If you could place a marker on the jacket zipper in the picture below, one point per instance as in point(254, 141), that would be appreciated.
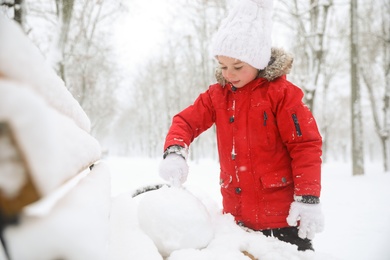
point(265, 117)
point(296, 123)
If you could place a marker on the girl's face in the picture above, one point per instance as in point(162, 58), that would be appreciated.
point(237, 72)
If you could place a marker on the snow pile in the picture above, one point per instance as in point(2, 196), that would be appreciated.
point(48, 125)
point(54, 148)
point(175, 219)
point(46, 146)
point(127, 240)
point(365, 237)
point(176, 224)
point(76, 228)
point(21, 61)
point(231, 242)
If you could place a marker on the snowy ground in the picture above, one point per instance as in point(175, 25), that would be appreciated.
point(357, 214)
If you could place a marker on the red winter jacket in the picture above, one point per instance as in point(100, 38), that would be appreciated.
point(268, 143)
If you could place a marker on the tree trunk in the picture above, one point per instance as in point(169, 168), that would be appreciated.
point(64, 12)
point(19, 12)
point(356, 113)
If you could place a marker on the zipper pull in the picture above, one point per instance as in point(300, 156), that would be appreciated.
point(296, 123)
point(265, 117)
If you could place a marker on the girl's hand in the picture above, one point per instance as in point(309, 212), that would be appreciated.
point(310, 217)
point(174, 169)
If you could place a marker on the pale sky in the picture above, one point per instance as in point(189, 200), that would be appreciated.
point(141, 32)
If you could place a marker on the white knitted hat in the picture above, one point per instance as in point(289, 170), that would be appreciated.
point(245, 34)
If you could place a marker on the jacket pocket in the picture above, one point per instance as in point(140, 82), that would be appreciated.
point(231, 199)
point(303, 124)
point(225, 180)
point(278, 192)
point(276, 180)
point(296, 124)
point(263, 128)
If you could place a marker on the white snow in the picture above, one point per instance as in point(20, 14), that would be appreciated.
point(356, 215)
point(47, 141)
point(41, 113)
point(174, 219)
point(76, 228)
point(36, 124)
point(127, 240)
point(18, 52)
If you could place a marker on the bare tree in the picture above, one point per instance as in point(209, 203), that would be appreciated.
point(310, 21)
point(374, 67)
point(75, 37)
point(64, 9)
point(356, 115)
point(171, 81)
point(91, 72)
point(317, 44)
point(18, 8)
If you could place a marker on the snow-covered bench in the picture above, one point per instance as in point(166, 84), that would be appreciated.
point(53, 203)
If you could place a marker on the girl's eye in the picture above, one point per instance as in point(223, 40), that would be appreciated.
point(236, 68)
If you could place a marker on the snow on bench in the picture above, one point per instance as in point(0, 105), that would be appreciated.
point(53, 203)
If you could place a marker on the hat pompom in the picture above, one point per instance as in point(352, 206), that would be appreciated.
point(245, 34)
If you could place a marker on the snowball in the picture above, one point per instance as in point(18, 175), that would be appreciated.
point(175, 219)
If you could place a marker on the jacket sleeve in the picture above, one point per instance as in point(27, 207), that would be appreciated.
point(191, 122)
point(300, 133)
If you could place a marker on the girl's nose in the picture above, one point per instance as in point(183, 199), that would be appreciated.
point(229, 73)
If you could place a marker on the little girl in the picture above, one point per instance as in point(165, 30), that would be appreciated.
point(268, 142)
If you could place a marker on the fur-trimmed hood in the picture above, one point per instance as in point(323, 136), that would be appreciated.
point(280, 64)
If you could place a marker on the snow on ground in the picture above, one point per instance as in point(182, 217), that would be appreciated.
point(356, 213)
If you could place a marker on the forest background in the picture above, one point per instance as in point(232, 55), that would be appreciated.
point(133, 64)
